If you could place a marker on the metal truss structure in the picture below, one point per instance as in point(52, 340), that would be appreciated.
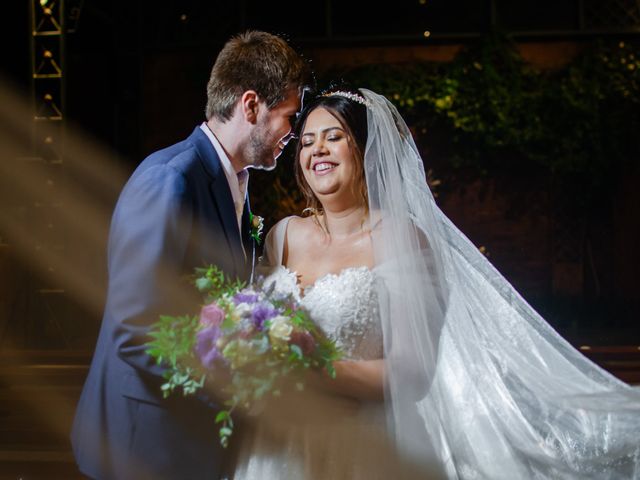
point(41, 310)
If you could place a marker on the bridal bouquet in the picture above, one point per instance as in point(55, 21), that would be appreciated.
point(257, 336)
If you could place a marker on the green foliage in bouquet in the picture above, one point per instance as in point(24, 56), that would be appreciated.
point(173, 343)
point(255, 336)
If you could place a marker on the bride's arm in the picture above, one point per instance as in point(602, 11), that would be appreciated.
point(359, 379)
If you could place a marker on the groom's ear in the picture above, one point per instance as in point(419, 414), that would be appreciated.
point(249, 103)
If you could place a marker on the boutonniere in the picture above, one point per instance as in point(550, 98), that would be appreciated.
point(257, 224)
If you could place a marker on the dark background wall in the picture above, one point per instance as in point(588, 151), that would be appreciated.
point(135, 76)
point(132, 66)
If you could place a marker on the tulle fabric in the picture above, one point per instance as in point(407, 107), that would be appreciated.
point(479, 386)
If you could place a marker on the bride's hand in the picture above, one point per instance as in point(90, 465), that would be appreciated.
point(359, 379)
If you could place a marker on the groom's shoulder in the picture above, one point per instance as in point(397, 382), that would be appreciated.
point(177, 155)
point(180, 157)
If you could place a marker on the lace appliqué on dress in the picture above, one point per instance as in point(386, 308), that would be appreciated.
point(344, 305)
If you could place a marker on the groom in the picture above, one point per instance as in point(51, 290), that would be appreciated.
point(184, 206)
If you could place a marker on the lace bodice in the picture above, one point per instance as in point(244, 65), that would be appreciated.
point(344, 305)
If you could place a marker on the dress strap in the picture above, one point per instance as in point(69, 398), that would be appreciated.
point(274, 244)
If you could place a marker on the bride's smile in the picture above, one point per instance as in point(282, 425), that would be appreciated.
point(326, 156)
point(323, 168)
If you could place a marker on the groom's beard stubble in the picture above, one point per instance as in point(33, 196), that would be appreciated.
point(263, 153)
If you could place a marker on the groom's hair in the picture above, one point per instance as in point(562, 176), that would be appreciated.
point(253, 60)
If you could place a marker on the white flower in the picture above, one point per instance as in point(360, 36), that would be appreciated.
point(239, 352)
point(283, 281)
point(240, 311)
point(280, 330)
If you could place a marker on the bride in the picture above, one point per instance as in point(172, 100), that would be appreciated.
point(448, 372)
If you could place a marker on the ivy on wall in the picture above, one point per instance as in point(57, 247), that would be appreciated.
point(488, 111)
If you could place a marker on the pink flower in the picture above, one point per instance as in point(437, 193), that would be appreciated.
point(211, 315)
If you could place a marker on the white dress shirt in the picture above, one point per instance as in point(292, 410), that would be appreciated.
point(237, 181)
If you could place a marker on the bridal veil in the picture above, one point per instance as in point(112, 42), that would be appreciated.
point(477, 381)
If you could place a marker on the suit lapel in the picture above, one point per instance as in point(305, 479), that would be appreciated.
point(222, 196)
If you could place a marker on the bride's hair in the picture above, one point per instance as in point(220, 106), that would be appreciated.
point(352, 116)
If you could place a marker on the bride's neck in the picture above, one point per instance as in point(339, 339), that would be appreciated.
point(342, 222)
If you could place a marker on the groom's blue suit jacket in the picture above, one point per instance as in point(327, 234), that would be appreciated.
point(175, 213)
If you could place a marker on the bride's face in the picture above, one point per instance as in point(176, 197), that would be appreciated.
point(326, 156)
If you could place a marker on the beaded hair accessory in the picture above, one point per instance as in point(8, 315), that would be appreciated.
point(354, 97)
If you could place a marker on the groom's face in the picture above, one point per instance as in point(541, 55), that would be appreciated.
point(272, 132)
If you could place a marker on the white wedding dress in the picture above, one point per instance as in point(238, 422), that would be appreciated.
point(344, 305)
point(477, 385)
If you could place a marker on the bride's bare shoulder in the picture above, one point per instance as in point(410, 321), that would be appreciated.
point(300, 228)
point(296, 237)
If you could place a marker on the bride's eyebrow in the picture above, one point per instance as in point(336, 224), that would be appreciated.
point(324, 130)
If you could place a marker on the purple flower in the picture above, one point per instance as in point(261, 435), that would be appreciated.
point(206, 348)
point(262, 312)
point(304, 340)
point(211, 315)
point(246, 297)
